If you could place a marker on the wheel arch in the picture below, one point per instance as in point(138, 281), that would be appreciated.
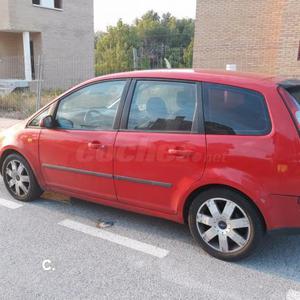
point(6, 153)
point(10, 151)
point(201, 189)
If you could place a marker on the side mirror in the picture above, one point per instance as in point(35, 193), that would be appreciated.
point(47, 122)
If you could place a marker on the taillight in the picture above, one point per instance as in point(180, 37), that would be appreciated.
point(292, 105)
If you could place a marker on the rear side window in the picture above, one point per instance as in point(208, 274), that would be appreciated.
point(162, 106)
point(234, 111)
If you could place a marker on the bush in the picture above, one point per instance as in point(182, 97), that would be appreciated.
point(22, 104)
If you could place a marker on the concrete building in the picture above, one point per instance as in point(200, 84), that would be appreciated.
point(256, 36)
point(54, 38)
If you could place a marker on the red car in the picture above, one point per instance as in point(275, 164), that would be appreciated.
point(217, 150)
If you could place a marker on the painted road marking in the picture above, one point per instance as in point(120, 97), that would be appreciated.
point(115, 238)
point(9, 204)
point(293, 295)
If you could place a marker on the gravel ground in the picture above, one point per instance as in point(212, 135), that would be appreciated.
point(5, 123)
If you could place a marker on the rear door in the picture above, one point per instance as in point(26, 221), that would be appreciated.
point(160, 150)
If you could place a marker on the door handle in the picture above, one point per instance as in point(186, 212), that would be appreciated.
point(180, 152)
point(96, 145)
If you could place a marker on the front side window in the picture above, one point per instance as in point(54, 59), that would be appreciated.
point(92, 108)
point(162, 106)
point(234, 111)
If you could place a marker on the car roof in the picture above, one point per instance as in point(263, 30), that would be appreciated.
point(216, 76)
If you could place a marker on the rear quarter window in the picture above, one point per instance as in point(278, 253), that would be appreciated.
point(295, 93)
point(291, 97)
point(234, 111)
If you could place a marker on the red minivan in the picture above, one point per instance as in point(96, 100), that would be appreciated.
point(217, 150)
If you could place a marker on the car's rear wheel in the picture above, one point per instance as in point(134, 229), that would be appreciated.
point(19, 178)
point(225, 224)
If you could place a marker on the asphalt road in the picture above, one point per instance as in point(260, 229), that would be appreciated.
point(43, 258)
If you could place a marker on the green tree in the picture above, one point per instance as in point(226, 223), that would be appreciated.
point(188, 55)
point(114, 49)
point(155, 38)
point(97, 37)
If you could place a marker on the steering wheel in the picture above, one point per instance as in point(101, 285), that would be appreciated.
point(91, 116)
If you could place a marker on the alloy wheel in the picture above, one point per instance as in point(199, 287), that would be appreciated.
point(17, 178)
point(223, 225)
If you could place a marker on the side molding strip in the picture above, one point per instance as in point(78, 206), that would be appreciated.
point(109, 176)
point(144, 181)
point(79, 171)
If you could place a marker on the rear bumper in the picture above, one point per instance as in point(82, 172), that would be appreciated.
point(283, 213)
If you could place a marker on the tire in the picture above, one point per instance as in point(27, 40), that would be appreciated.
point(19, 179)
point(225, 224)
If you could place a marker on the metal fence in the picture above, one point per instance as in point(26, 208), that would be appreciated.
point(19, 98)
point(51, 76)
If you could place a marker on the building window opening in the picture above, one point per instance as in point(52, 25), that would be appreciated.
point(48, 3)
point(58, 4)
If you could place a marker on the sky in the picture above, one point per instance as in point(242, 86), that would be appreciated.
point(108, 12)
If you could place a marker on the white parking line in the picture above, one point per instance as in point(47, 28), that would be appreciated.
point(115, 238)
point(293, 295)
point(9, 204)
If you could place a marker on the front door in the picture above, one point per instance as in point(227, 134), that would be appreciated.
point(160, 150)
point(77, 155)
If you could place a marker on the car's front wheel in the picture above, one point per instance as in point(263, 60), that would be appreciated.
point(225, 224)
point(19, 178)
